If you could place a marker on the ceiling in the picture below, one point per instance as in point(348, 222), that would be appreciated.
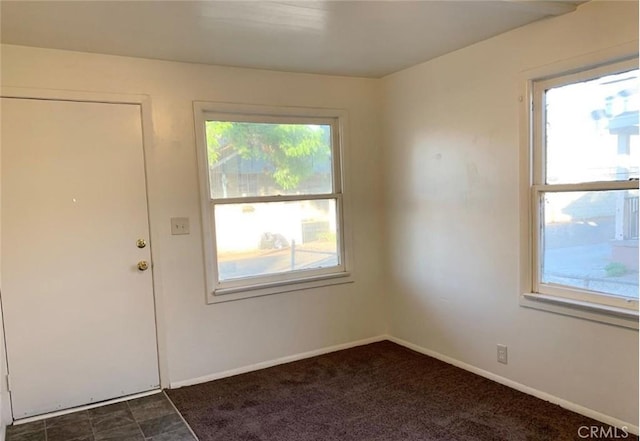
point(353, 38)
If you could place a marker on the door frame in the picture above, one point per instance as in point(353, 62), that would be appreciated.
point(144, 101)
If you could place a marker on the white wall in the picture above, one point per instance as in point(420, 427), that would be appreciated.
point(206, 339)
point(453, 159)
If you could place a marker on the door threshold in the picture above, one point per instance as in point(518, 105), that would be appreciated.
point(85, 407)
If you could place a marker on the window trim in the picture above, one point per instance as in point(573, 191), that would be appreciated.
point(236, 289)
point(621, 312)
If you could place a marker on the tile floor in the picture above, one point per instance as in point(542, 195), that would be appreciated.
point(151, 418)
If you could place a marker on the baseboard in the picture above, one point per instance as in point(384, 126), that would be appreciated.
point(519, 386)
point(275, 362)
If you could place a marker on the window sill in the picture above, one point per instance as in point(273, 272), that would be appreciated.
point(625, 318)
point(222, 295)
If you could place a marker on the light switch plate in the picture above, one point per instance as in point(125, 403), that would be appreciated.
point(179, 225)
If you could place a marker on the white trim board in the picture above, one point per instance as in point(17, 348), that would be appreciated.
point(277, 361)
point(574, 407)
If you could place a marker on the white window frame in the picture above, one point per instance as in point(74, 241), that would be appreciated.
point(551, 297)
point(235, 289)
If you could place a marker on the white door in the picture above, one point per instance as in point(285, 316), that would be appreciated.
point(79, 314)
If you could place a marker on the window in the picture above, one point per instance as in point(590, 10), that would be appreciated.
point(585, 158)
point(273, 210)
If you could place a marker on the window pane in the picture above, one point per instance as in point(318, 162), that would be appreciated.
point(260, 159)
point(592, 130)
point(275, 237)
point(590, 241)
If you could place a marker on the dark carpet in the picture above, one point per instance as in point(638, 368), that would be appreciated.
point(377, 392)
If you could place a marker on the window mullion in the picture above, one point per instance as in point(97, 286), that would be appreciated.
point(277, 198)
point(587, 186)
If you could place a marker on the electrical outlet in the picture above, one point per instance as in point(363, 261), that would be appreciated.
point(502, 354)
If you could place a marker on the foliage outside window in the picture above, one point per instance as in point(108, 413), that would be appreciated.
point(273, 200)
point(586, 155)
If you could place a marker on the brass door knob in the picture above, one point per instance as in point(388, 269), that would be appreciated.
point(141, 243)
point(143, 265)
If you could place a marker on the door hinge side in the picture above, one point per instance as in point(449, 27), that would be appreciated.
point(8, 383)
